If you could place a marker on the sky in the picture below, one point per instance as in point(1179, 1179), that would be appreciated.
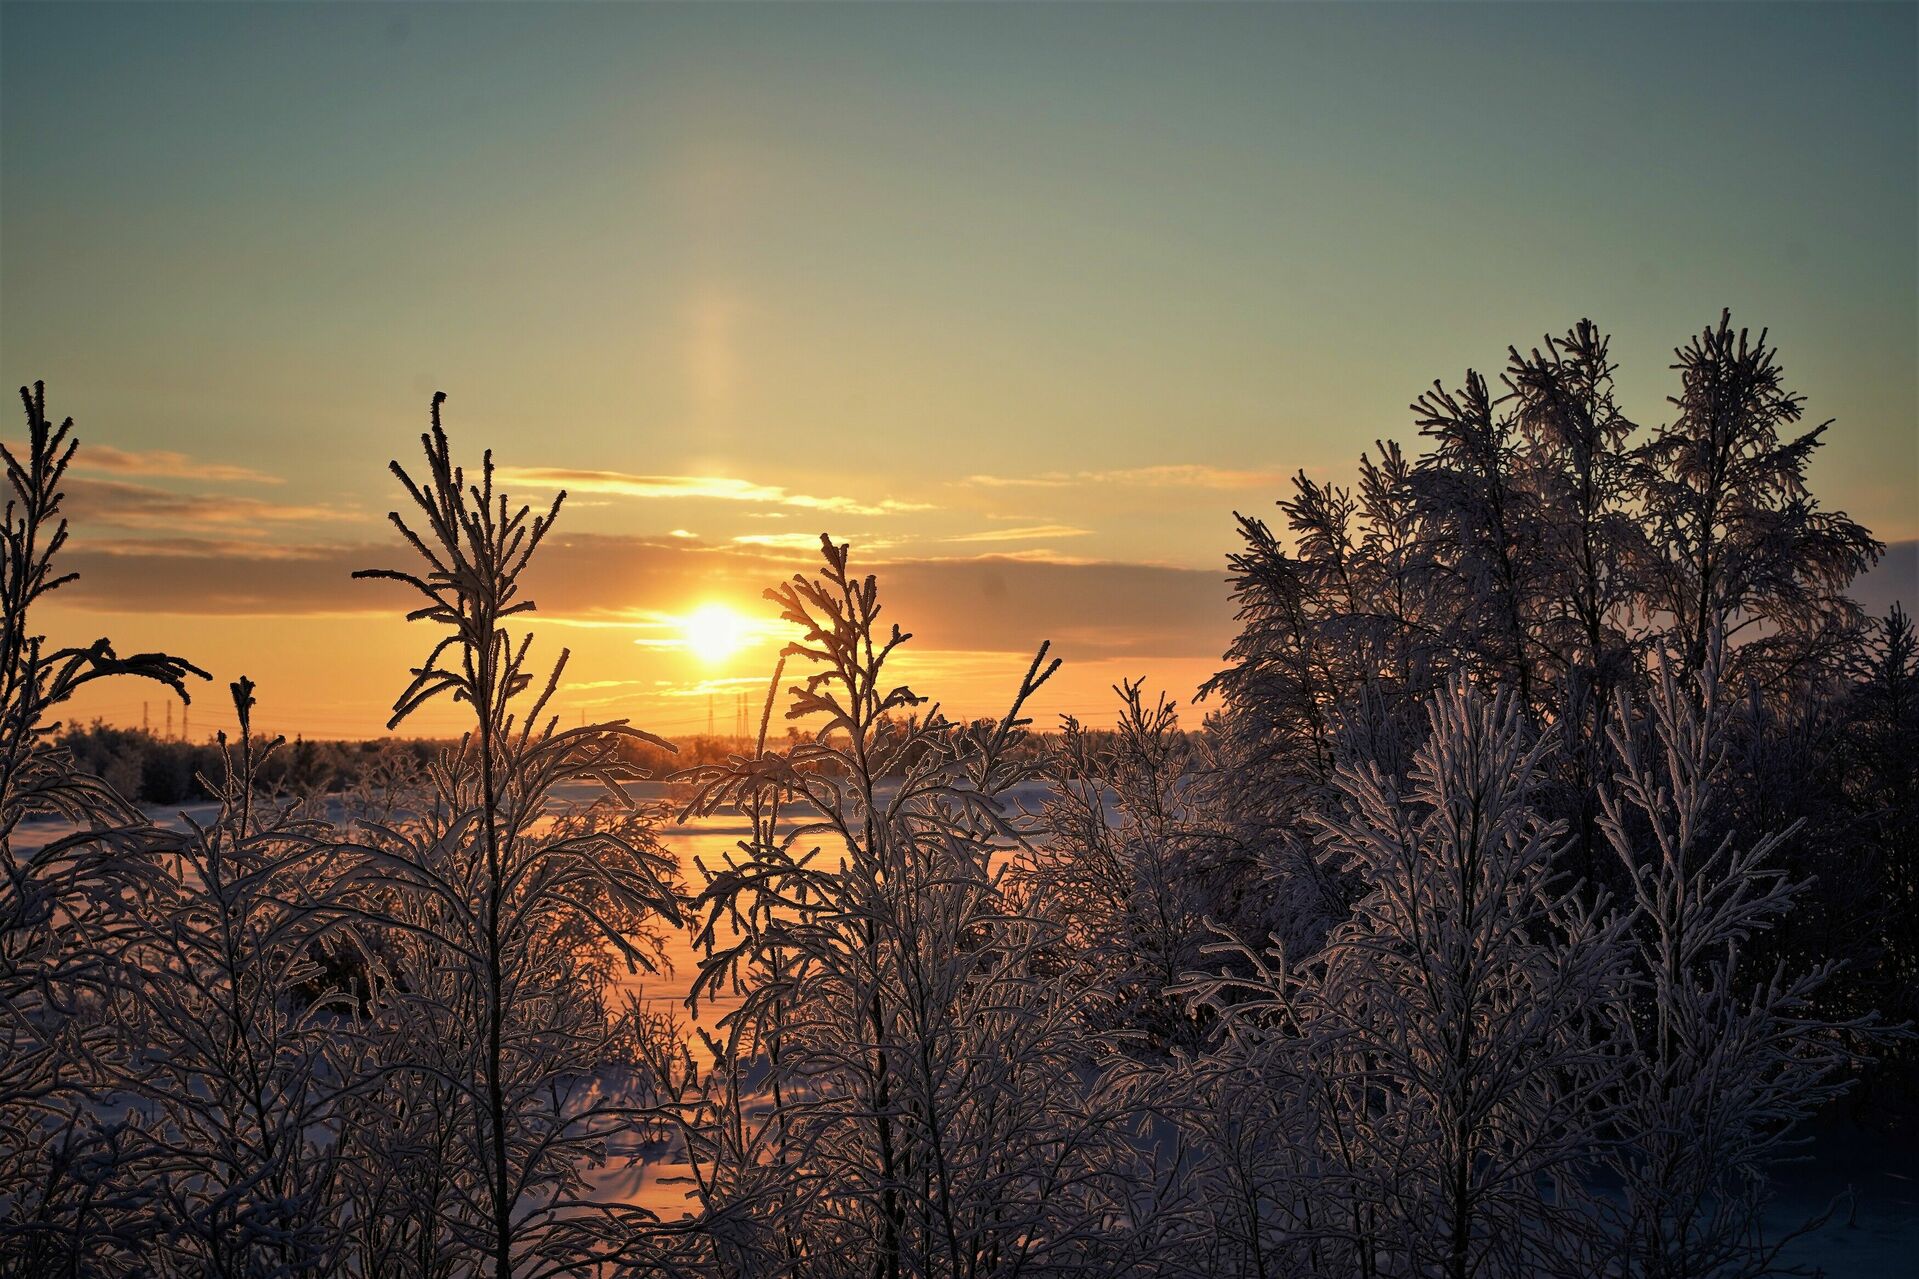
point(1024, 302)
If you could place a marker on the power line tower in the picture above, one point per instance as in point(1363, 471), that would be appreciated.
point(709, 714)
point(143, 717)
point(169, 721)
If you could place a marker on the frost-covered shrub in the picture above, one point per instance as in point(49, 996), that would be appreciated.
point(1719, 1056)
point(238, 1065)
point(503, 926)
point(64, 899)
point(1133, 864)
point(914, 1074)
point(1520, 996)
point(1434, 1062)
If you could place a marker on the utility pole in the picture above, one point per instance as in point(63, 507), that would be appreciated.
point(143, 717)
point(709, 714)
point(186, 731)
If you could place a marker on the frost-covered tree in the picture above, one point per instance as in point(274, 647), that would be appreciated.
point(1580, 470)
point(1719, 1056)
point(1341, 637)
point(1737, 541)
point(238, 1052)
point(1357, 608)
point(1133, 864)
point(923, 1072)
point(1482, 524)
point(505, 927)
point(1441, 1036)
point(1544, 543)
point(63, 899)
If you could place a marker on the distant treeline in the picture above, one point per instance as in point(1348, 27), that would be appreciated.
point(150, 769)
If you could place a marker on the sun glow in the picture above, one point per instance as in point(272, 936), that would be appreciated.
point(714, 632)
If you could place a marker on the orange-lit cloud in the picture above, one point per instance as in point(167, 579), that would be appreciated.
point(1004, 601)
point(1029, 533)
point(1024, 555)
point(1171, 476)
point(122, 504)
point(202, 547)
point(720, 488)
point(157, 463)
point(809, 543)
point(165, 464)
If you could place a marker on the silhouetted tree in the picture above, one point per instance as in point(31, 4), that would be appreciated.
point(925, 1073)
point(1581, 472)
point(62, 899)
point(1737, 541)
point(503, 914)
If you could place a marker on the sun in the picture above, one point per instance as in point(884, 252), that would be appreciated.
point(714, 632)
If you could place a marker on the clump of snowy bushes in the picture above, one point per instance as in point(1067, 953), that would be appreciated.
point(1485, 926)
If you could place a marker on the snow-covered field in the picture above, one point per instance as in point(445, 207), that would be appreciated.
point(1873, 1231)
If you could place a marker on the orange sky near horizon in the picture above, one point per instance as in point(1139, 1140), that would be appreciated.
point(667, 632)
point(333, 675)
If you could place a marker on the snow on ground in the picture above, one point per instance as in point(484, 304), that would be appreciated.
point(1873, 1232)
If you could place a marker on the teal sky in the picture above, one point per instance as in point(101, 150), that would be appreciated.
point(1163, 255)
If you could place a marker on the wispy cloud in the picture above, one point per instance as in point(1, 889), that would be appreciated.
point(164, 464)
point(1025, 555)
point(720, 488)
point(1028, 533)
point(606, 619)
point(156, 463)
point(208, 547)
point(1169, 476)
point(810, 542)
point(121, 504)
